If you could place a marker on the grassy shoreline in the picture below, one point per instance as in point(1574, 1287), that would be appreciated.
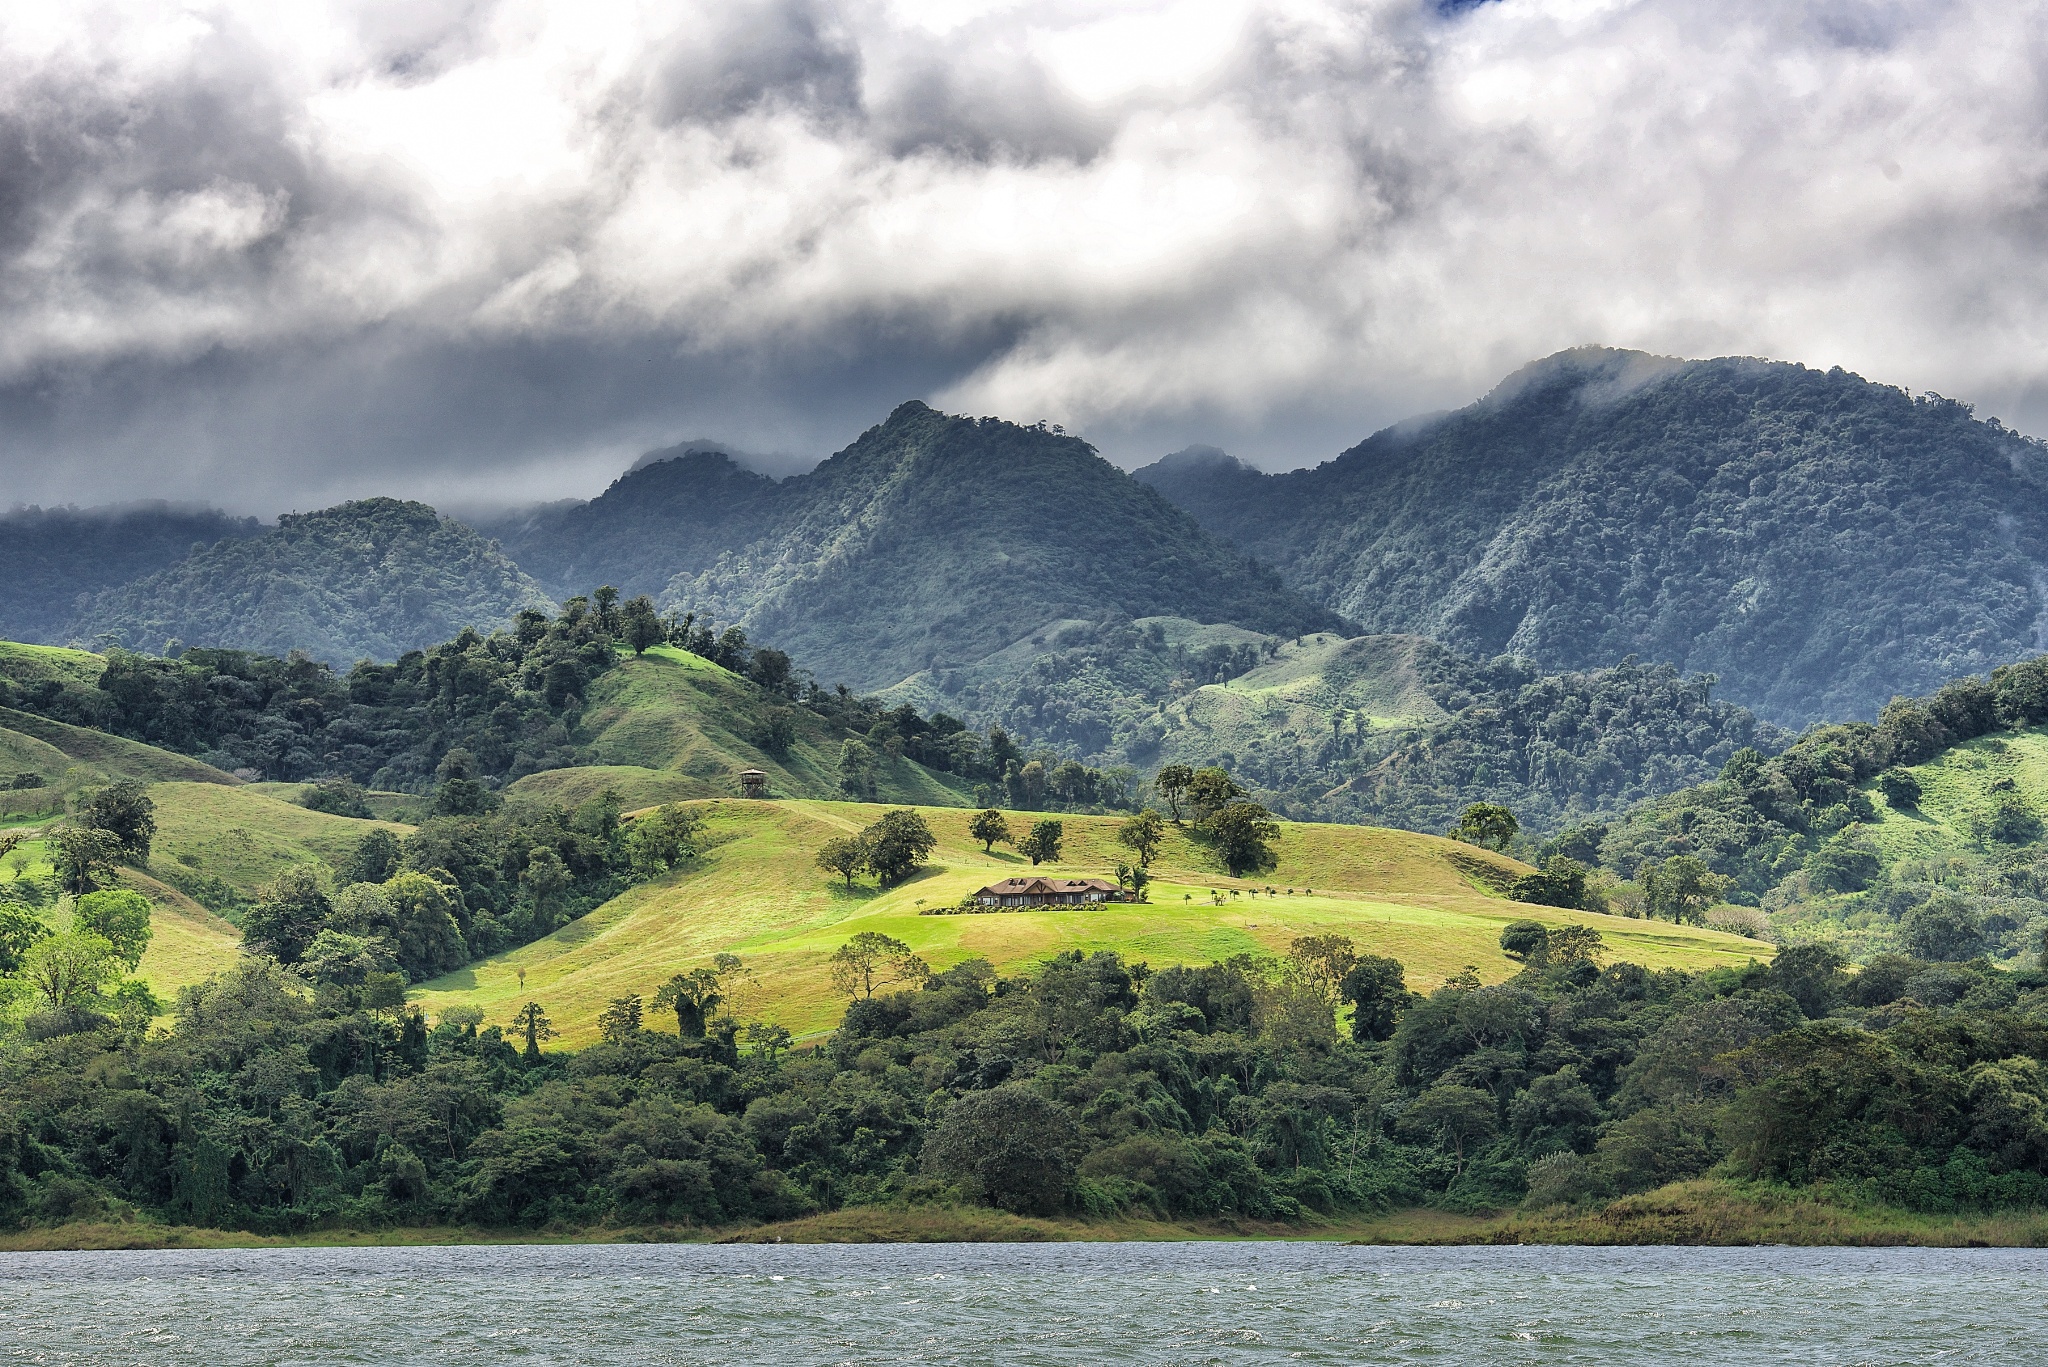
point(1689, 1214)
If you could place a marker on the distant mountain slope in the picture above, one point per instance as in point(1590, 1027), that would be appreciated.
point(1391, 730)
point(675, 512)
point(1820, 542)
point(374, 578)
point(932, 539)
point(49, 556)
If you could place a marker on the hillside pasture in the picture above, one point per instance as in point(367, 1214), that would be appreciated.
point(756, 892)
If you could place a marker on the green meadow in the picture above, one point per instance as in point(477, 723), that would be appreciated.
point(756, 892)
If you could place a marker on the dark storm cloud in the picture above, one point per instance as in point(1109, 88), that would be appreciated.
point(486, 250)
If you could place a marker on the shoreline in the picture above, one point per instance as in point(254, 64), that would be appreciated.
point(1691, 1214)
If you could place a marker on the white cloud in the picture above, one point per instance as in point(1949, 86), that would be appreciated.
point(1131, 216)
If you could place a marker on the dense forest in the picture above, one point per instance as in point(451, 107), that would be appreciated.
point(365, 580)
point(49, 557)
point(1819, 542)
point(1556, 747)
point(1258, 1087)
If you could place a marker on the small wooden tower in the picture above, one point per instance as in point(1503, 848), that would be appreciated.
point(753, 783)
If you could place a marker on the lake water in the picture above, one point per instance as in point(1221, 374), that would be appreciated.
point(1024, 1304)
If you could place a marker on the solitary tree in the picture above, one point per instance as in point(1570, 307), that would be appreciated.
point(1526, 942)
point(1683, 888)
point(68, 971)
point(871, 960)
point(533, 1022)
point(990, 829)
point(641, 625)
point(607, 602)
point(897, 844)
point(1142, 833)
point(691, 996)
point(663, 839)
point(1323, 961)
point(1900, 788)
point(1487, 825)
point(768, 1040)
point(1173, 781)
point(1244, 832)
point(1042, 845)
point(1576, 944)
point(845, 855)
point(1210, 791)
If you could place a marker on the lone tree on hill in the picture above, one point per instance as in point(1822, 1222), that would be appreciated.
point(871, 960)
point(1173, 781)
point(990, 829)
point(1042, 845)
point(845, 855)
point(642, 625)
point(533, 1022)
point(1142, 834)
point(1244, 832)
point(1210, 791)
point(1487, 825)
point(897, 844)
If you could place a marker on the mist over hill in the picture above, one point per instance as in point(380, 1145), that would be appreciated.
point(1820, 542)
point(49, 556)
point(931, 539)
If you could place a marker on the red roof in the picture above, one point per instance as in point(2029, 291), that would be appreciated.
point(1021, 887)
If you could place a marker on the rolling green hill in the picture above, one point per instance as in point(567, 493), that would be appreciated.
point(373, 579)
point(931, 539)
point(1820, 542)
point(757, 893)
point(669, 725)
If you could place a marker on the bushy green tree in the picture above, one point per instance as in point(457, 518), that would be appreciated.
point(662, 839)
point(85, 858)
point(871, 960)
point(990, 828)
point(118, 916)
point(1243, 833)
point(1011, 1144)
point(1142, 833)
point(290, 910)
point(1487, 825)
point(845, 855)
point(897, 844)
point(1041, 844)
point(124, 810)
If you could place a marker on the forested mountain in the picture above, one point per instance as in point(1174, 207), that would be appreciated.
point(932, 539)
point(50, 556)
point(373, 578)
point(1390, 730)
point(675, 512)
point(1820, 542)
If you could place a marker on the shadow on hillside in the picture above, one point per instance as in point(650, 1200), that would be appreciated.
point(859, 892)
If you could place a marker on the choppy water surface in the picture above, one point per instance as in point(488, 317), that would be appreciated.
point(1012, 1303)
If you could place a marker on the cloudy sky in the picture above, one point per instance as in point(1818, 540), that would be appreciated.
point(271, 255)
